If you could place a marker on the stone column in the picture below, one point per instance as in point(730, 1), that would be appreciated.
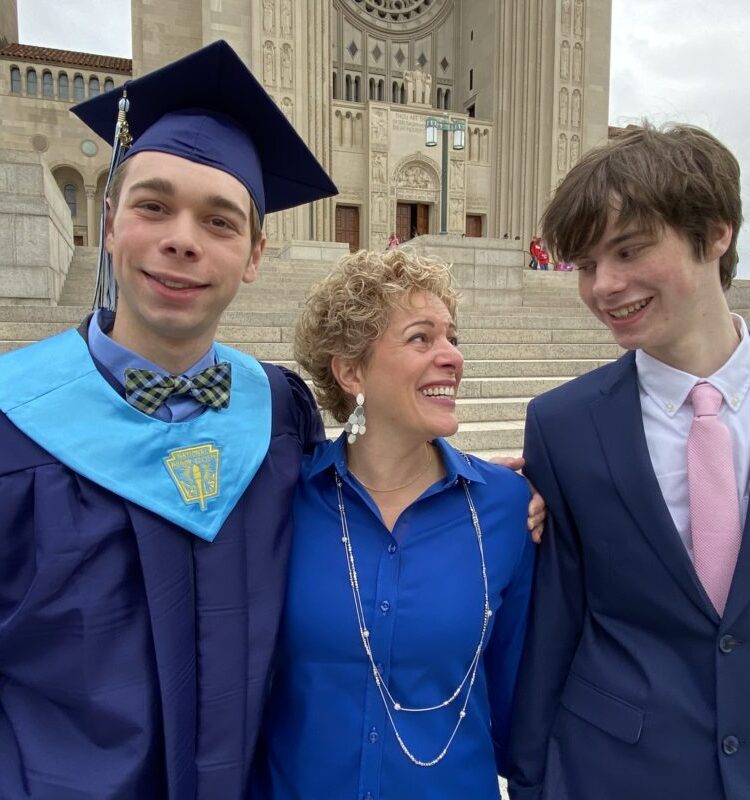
point(91, 221)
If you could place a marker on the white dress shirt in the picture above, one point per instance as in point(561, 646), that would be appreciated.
point(668, 415)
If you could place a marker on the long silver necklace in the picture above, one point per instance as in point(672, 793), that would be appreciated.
point(389, 702)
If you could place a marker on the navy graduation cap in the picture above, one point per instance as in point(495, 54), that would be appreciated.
point(207, 108)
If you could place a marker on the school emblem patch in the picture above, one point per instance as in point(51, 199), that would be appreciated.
point(195, 471)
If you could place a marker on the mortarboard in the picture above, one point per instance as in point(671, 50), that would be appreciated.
point(208, 108)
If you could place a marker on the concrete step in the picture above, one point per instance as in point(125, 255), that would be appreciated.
point(254, 333)
point(275, 351)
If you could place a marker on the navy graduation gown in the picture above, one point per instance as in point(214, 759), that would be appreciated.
point(134, 656)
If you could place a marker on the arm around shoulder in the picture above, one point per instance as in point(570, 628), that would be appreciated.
point(556, 618)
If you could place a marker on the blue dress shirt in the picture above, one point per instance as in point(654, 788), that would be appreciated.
point(116, 359)
point(326, 734)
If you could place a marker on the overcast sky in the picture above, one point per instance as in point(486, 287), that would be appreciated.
point(672, 60)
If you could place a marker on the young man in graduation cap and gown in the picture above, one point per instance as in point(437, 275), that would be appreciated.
point(146, 472)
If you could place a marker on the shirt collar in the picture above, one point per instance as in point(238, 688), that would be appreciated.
point(456, 464)
point(669, 387)
point(116, 359)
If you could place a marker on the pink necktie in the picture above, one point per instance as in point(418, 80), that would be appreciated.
point(714, 508)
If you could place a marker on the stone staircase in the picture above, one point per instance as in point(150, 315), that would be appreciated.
point(512, 353)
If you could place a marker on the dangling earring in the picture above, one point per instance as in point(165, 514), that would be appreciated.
point(355, 425)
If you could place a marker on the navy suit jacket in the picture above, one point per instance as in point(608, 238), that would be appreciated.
point(631, 686)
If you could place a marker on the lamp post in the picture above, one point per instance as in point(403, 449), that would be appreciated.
point(458, 129)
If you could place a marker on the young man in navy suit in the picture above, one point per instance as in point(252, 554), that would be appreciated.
point(636, 676)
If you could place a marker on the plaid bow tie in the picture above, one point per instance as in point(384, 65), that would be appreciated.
point(147, 390)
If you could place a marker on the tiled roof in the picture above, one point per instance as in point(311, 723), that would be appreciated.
point(48, 55)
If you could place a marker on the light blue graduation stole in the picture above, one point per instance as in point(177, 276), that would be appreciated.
point(191, 473)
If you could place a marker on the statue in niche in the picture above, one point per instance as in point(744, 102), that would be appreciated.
point(575, 109)
point(562, 152)
point(457, 176)
point(287, 107)
point(269, 63)
point(565, 61)
point(578, 18)
point(565, 17)
point(575, 150)
point(268, 15)
point(409, 81)
point(577, 63)
point(563, 113)
point(286, 66)
point(427, 98)
point(418, 86)
point(286, 17)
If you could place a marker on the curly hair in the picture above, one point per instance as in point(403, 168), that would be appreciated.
point(351, 308)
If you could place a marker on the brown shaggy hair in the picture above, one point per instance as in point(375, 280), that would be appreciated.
point(351, 308)
point(680, 176)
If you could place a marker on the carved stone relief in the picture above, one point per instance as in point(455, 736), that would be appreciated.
point(578, 62)
point(578, 18)
point(562, 152)
point(287, 218)
point(456, 214)
point(269, 16)
point(565, 61)
point(415, 177)
point(272, 226)
point(565, 18)
point(379, 168)
point(269, 64)
point(379, 208)
point(378, 129)
point(287, 69)
point(287, 23)
point(457, 176)
point(575, 109)
point(562, 117)
point(287, 107)
point(575, 150)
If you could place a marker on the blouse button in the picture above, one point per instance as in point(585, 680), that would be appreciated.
point(392, 548)
point(373, 737)
point(385, 606)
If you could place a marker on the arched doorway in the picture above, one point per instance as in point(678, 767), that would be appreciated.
point(417, 193)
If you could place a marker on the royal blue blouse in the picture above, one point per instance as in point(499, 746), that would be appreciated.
point(326, 734)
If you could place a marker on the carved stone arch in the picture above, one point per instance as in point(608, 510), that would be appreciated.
point(417, 171)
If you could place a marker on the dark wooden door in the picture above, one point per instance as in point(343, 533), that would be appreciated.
point(473, 225)
point(423, 219)
point(347, 226)
point(403, 222)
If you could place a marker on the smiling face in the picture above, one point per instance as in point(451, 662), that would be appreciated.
point(180, 241)
point(651, 289)
point(413, 372)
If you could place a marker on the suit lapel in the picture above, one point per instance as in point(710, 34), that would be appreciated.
point(619, 423)
point(167, 566)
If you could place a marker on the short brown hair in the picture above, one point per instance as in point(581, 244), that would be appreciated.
point(115, 188)
point(351, 308)
point(680, 176)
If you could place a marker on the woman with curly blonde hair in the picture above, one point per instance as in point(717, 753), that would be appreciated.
point(411, 563)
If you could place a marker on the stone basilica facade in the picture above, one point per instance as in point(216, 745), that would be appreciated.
point(527, 80)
